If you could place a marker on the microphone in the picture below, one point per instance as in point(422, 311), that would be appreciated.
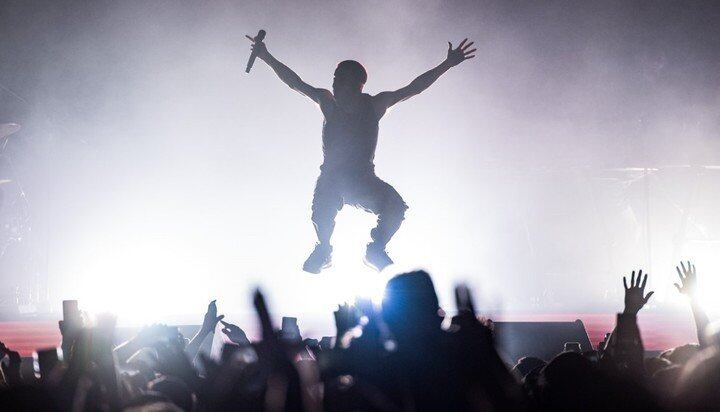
point(260, 37)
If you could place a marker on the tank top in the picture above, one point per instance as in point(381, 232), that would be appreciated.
point(350, 139)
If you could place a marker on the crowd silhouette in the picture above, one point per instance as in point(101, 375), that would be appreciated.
point(399, 356)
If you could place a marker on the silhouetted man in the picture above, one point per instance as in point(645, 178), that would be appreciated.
point(349, 136)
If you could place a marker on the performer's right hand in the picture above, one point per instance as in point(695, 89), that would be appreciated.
point(258, 47)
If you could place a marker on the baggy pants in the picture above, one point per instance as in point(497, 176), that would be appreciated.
point(333, 190)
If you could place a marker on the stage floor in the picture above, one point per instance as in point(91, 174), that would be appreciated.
point(659, 331)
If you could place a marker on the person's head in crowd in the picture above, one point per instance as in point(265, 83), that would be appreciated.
point(526, 365)
point(145, 361)
point(664, 381)
point(410, 306)
point(156, 372)
point(151, 402)
point(566, 382)
point(698, 388)
point(682, 354)
point(26, 398)
point(655, 364)
point(175, 390)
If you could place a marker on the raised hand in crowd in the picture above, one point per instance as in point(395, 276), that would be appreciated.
point(635, 297)
point(623, 350)
point(210, 321)
point(346, 317)
point(149, 336)
point(396, 358)
point(688, 287)
point(235, 334)
point(688, 279)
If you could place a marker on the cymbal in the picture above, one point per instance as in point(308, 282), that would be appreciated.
point(5, 181)
point(6, 129)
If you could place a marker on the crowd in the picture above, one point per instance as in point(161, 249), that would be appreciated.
point(400, 356)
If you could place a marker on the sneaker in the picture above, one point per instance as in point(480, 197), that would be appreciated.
point(376, 257)
point(319, 259)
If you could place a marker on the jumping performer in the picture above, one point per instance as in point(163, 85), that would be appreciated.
point(349, 139)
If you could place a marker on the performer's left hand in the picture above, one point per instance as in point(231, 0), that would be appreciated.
point(460, 53)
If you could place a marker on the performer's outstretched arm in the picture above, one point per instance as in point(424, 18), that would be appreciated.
point(288, 76)
point(384, 100)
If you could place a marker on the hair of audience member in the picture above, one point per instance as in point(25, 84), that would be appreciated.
point(26, 398)
point(680, 355)
point(174, 389)
point(697, 388)
point(154, 406)
point(655, 364)
point(410, 304)
point(567, 381)
point(526, 365)
point(151, 402)
point(664, 381)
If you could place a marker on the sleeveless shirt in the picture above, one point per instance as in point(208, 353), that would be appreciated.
point(349, 139)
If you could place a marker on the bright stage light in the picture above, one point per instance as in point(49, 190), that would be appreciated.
point(349, 277)
point(143, 271)
point(704, 257)
point(141, 282)
point(708, 265)
point(145, 279)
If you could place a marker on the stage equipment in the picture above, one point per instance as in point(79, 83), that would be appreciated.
point(14, 229)
point(542, 340)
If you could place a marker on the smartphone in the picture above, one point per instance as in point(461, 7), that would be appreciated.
point(45, 361)
point(326, 343)
point(71, 312)
point(289, 329)
point(228, 351)
point(289, 323)
point(463, 299)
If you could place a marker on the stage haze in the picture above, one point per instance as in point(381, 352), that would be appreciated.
point(160, 176)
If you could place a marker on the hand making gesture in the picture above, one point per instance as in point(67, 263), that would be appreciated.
point(235, 333)
point(688, 286)
point(688, 279)
point(460, 53)
point(635, 297)
point(211, 318)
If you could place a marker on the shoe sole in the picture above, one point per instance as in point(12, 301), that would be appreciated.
point(372, 266)
point(319, 270)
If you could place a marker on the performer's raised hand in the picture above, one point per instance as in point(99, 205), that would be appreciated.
point(461, 53)
point(258, 47)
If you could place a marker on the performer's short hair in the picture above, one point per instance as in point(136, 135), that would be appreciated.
point(354, 69)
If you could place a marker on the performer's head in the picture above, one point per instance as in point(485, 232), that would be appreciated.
point(350, 77)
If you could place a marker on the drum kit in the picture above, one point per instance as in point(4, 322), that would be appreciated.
point(15, 227)
point(14, 215)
